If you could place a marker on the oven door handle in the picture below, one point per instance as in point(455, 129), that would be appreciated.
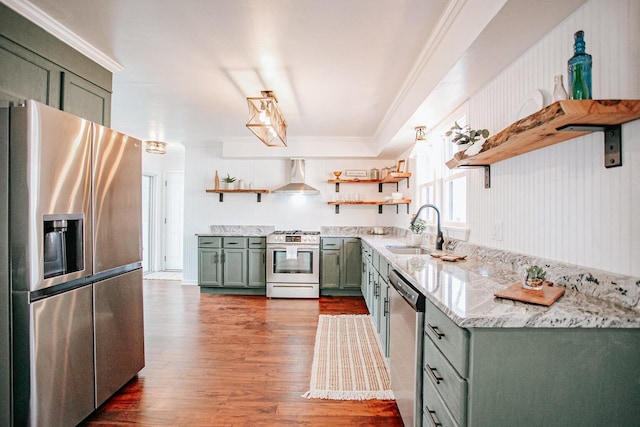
point(299, 248)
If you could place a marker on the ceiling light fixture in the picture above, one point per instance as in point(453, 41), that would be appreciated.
point(266, 120)
point(420, 134)
point(156, 147)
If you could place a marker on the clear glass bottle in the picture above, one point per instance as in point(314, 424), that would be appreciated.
point(559, 92)
point(580, 57)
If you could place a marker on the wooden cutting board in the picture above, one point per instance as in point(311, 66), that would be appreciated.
point(545, 296)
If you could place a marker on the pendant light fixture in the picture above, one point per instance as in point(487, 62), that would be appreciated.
point(420, 134)
point(156, 147)
point(266, 120)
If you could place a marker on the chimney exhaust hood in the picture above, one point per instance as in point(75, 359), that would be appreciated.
point(296, 184)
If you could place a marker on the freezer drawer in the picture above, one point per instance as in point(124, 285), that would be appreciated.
point(119, 332)
point(61, 379)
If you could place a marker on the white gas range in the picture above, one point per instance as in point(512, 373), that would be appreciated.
point(293, 264)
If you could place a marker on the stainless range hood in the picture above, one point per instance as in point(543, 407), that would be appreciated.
point(296, 184)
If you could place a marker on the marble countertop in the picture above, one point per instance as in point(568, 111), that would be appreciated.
point(239, 230)
point(464, 291)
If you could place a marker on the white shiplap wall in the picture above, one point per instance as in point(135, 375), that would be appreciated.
point(560, 202)
point(279, 210)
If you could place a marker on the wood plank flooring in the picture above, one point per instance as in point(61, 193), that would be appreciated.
point(223, 360)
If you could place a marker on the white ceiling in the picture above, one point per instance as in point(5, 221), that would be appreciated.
point(350, 75)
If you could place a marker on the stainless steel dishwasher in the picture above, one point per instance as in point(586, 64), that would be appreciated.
point(405, 348)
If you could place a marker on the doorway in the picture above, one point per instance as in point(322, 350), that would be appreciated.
point(148, 182)
point(174, 214)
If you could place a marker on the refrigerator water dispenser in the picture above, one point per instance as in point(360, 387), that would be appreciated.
point(63, 251)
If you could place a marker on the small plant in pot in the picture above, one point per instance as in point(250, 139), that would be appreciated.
point(228, 181)
point(416, 232)
point(465, 135)
point(533, 278)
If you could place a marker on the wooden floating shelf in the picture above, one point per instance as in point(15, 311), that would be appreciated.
point(379, 203)
point(221, 192)
point(393, 178)
point(545, 128)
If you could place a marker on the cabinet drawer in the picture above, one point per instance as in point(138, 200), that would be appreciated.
point(450, 339)
point(446, 380)
point(331, 243)
point(209, 242)
point(257, 242)
point(234, 242)
point(435, 412)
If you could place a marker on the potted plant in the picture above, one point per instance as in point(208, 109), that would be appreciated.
point(417, 229)
point(228, 181)
point(465, 136)
point(533, 278)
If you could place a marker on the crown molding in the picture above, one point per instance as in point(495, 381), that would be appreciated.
point(53, 27)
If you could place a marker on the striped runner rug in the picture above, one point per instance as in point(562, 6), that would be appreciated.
point(348, 363)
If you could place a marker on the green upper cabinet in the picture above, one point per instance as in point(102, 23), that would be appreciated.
point(85, 99)
point(340, 266)
point(25, 75)
point(36, 65)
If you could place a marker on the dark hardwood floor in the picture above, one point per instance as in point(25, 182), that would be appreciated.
point(221, 360)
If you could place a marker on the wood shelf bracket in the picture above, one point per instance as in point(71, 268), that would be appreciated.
point(612, 141)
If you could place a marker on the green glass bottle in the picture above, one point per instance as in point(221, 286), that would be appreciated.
point(582, 58)
point(579, 89)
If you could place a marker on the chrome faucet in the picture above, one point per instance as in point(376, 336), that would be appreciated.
point(439, 238)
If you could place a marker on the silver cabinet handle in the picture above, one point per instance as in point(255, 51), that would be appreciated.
point(435, 330)
point(435, 377)
point(431, 414)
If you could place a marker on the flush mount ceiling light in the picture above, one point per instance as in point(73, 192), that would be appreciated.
point(266, 120)
point(420, 134)
point(156, 147)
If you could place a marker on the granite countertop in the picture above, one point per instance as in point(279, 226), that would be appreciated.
point(464, 291)
point(239, 230)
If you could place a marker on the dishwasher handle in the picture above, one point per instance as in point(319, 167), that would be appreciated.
point(410, 294)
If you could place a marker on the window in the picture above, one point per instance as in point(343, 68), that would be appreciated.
point(455, 200)
point(439, 185)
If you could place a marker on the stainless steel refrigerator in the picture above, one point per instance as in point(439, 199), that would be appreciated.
point(74, 273)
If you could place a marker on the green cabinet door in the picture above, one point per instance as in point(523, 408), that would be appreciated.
point(383, 322)
point(25, 75)
point(330, 269)
point(82, 98)
point(209, 267)
point(351, 264)
point(257, 268)
point(235, 268)
point(341, 264)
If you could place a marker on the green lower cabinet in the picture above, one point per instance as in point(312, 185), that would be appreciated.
point(235, 268)
point(257, 268)
point(383, 320)
point(209, 267)
point(330, 270)
point(340, 266)
point(529, 376)
point(232, 265)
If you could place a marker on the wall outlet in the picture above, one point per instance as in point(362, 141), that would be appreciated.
point(496, 230)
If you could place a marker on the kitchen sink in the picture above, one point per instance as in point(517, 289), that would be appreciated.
point(408, 250)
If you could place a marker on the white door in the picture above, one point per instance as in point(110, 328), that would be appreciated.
point(174, 209)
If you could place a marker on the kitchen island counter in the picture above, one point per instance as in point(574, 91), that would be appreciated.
point(464, 291)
